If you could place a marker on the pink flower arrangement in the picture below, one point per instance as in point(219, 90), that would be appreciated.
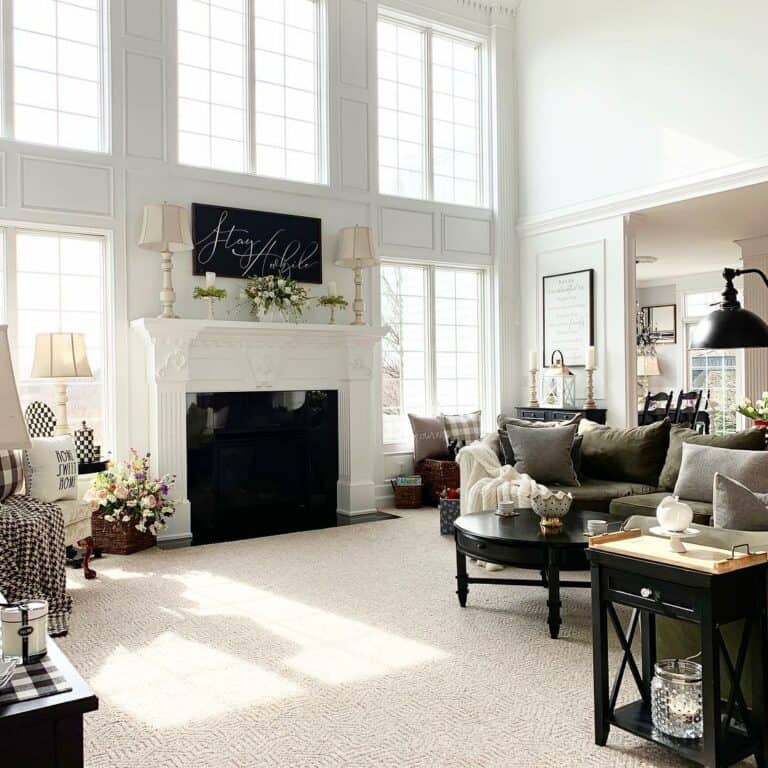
point(126, 493)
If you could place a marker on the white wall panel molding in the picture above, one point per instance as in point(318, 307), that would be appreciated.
point(407, 228)
point(462, 234)
point(353, 43)
point(65, 187)
point(144, 91)
point(144, 19)
point(3, 181)
point(353, 144)
point(619, 205)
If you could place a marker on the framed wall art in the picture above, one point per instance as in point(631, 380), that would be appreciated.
point(662, 322)
point(568, 322)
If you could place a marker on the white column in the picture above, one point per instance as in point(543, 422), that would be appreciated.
point(511, 373)
point(754, 254)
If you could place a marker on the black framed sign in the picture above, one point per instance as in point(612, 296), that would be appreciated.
point(568, 305)
point(234, 242)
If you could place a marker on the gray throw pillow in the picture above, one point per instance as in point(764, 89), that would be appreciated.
point(429, 439)
point(748, 440)
point(544, 454)
point(700, 462)
point(738, 508)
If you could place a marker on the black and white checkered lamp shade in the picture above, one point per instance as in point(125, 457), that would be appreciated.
point(40, 419)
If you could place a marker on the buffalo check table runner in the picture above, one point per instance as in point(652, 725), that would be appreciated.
point(33, 681)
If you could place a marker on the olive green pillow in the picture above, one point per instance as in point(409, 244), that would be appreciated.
point(748, 440)
point(634, 455)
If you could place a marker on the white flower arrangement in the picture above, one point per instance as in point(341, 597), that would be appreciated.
point(274, 292)
point(757, 410)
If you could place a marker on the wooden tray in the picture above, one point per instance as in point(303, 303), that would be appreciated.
point(697, 557)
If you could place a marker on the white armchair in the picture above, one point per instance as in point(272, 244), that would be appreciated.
point(77, 524)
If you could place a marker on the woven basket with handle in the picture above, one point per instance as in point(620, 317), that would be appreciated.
point(119, 538)
point(406, 496)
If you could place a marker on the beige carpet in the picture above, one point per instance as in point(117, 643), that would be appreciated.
point(341, 647)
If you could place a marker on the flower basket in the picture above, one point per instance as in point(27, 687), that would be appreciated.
point(117, 538)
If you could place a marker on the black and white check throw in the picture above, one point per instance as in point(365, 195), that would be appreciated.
point(464, 428)
point(11, 473)
point(33, 681)
point(40, 419)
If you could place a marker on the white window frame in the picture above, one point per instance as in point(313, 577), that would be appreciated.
point(486, 366)
point(323, 96)
point(427, 28)
point(7, 101)
point(110, 342)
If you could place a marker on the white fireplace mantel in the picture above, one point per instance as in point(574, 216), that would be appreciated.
point(184, 356)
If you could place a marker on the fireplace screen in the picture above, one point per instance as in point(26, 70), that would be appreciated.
point(261, 463)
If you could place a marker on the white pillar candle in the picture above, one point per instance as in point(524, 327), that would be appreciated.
point(532, 360)
point(210, 279)
point(332, 288)
point(590, 357)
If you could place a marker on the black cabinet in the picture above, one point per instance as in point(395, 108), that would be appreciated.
point(560, 414)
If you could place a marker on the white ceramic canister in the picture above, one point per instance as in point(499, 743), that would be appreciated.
point(24, 631)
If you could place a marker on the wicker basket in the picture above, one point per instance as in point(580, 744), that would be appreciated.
point(118, 538)
point(406, 496)
point(436, 476)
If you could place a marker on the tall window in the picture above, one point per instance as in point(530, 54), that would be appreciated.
point(716, 372)
point(251, 87)
point(56, 282)
point(430, 107)
point(58, 73)
point(432, 357)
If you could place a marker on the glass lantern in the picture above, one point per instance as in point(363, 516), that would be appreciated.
point(676, 698)
point(558, 384)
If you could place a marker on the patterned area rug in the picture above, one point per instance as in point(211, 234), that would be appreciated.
point(340, 647)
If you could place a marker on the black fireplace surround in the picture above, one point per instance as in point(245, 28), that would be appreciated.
point(261, 463)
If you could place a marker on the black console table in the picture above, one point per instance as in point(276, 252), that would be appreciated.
point(560, 414)
point(708, 600)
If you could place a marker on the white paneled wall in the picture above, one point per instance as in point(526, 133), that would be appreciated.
point(107, 192)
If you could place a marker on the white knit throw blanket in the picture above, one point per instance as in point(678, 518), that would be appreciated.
point(484, 481)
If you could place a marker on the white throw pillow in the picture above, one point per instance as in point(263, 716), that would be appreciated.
point(53, 468)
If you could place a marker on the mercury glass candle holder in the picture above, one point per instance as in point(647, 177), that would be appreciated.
point(676, 705)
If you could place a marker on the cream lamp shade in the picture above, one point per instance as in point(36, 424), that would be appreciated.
point(165, 228)
point(60, 356)
point(355, 248)
point(648, 365)
point(13, 429)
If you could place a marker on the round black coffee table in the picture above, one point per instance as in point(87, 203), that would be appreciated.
point(521, 542)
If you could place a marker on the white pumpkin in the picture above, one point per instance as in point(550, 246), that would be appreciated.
point(673, 514)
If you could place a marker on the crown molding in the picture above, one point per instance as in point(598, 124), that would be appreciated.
point(502, 7)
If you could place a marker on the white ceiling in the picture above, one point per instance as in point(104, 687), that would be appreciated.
point(697, 235)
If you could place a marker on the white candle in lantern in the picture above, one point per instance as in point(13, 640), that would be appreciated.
point(532, 360)
point(332, 288)
point(210, 279)
point(591, 357)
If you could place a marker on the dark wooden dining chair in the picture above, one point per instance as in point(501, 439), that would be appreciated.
point(656, 407)
point(703, 419)
point(687, 410)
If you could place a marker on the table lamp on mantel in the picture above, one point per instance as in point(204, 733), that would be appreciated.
point(647, 365)
point(13, 428)
point(166, 229)
point(61, 357)
point(356, 251)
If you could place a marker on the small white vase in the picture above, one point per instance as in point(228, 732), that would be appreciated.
point(673, 514)
point(272, 315)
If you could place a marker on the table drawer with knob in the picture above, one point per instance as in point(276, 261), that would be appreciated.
point(507, 554)
point(660, 596)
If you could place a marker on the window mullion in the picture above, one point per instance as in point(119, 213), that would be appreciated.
point(250, 88)
point(429, 154)
point(430, 339)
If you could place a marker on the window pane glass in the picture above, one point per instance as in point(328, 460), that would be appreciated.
point(286, 92)
point(404, 383)
point(60, 287)
point(58, 83)
point(212, 58)
point(402, 161)
point(455, 121)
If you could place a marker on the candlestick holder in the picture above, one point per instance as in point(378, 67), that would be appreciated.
point(590, 387)
point(533, 401)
